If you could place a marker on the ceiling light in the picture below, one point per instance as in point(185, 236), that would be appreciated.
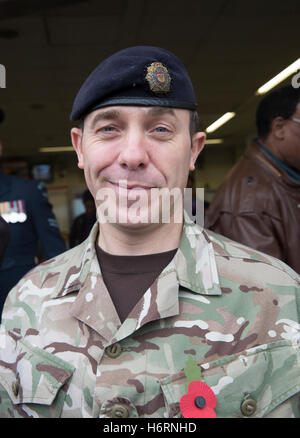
point(279, 78)
point(214, 140)
point(57, 149)
point(214, 126)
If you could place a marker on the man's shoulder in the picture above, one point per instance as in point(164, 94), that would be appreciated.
point(23, 187)
point(250, 174)
point(245, 262)
point(62, 260)
point(249, 188)
point(50, 278)
point(63, 265)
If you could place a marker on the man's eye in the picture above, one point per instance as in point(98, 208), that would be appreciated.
point(108, 128)
point(161, 129)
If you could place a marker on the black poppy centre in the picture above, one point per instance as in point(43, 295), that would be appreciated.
point(200, 402)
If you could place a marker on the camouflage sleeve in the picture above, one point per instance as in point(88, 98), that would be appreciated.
point(33, 382)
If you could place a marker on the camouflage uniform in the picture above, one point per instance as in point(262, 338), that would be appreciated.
point(64, 352)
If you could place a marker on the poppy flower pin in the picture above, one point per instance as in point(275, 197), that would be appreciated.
point(200, 400)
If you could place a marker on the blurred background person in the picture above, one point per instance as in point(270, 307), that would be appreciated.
point(258, 204)
point(4, 237)
point(83, 223)
point(25, 207)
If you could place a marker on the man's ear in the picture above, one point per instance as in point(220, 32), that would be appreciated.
point(198, 141)
point(278, 127)
point(76, 136)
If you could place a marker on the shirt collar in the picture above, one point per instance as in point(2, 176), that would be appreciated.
point(292, 173)
point(194, 263)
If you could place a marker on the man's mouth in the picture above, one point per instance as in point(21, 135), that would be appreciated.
point(131, 185)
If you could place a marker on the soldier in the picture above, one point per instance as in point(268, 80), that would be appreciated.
point(120, 325)
point(25, 207)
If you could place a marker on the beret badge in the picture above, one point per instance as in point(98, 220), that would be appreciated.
point(158, 78)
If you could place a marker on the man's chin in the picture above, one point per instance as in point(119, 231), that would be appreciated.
point(128, 219)
point(133, 227)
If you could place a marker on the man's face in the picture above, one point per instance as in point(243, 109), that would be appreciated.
point(290, 145)
point(141, 148)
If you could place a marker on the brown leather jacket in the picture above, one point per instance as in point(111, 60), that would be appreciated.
point(259, 206)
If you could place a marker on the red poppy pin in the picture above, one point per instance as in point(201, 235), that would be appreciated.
point(200, 400)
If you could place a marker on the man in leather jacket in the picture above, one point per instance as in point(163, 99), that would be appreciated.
point(258, 204)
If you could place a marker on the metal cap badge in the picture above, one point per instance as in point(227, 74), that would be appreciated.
point(158, 78)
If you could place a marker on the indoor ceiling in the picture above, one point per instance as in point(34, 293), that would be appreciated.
point(230, 48)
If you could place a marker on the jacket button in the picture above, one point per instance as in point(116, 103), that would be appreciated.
point(114, 350)
point(248, 407)
point(119, 411)
point(15, 386)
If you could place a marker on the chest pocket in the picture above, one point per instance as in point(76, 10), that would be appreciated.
point(253, 383)
point(31, 380)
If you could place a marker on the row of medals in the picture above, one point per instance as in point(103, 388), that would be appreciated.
point(13, 211)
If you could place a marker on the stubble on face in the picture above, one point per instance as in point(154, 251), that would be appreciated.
point(167, 166)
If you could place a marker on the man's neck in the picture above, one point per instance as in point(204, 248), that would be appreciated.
point(151, 239)
point(272, 147)
point(291, 172)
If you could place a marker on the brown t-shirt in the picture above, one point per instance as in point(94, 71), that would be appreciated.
point(128, 277)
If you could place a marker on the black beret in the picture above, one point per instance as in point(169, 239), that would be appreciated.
point(142, 75)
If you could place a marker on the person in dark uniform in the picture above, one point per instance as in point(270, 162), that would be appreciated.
point(4, 237)
point(83, 223)
point(25, 207)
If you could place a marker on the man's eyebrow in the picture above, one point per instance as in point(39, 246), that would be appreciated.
point(111, 114)
point(105, 115)
point(160, 111)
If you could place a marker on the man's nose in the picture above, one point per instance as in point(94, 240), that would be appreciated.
point(133, 154)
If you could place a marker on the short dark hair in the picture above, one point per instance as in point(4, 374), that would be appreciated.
point(281, 102)
point(194, 123)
